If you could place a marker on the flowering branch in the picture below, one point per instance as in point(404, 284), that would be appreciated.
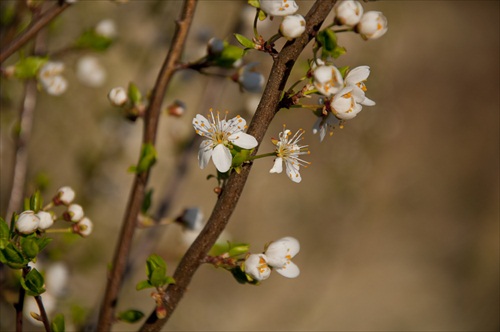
point(32, 30)
point(231, 192)
point(138, 189)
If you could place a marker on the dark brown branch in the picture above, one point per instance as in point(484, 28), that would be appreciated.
point(227, 201)
point(19, 306)
point(32, 30)
point(122, 250)
point(43, 313)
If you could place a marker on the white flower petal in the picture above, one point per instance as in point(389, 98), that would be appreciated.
point(358, 74)
point(204, 153)
point(243, 140)
point(368, 102)
point(278, 166)
point(292, 170)
point(222, 158)
point(290, 270)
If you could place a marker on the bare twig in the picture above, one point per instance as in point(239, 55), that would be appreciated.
point(151, 119)
point(32, 30)
point(228, 200)
point(19, 306)
point(43, 313)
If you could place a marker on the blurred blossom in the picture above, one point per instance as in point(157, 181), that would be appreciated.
point(348, 12)
point(293, 26)
point(256, 267)
point(249, 79)
point(118, 96)
point(27, 222)
point(65, 195)
point(279, 7)
point(279, 255)
point(84, 227)
point(325, 124)
point(56, 278)
point(90, 72)
point(74, 213)
point(372, 25)
point(46, 220)
point(215, 46)
point(177, 108)
point(191, 218)
point(51, 79)
point(106, 28)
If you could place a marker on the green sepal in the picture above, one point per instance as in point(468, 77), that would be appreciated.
point(328, 40)
point(244, 41)
point(33, 283)
point(237, 249)
point(4, 233)
point(12, 257)
point(254, 3)
point(147, 159)
point(130, 316)
point(262, 15)
point(134, 94)
point(89, 39)
point(36, 201)
point(240, 155)
point(30, 247)
point(343, 71)
point(28, 67)
point(229, 55)
point(58, 324)
point(42, 242)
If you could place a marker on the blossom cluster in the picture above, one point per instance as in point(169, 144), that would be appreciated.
point(30, 221)
point(276, 256)
point(293, 25)
point(370, 25)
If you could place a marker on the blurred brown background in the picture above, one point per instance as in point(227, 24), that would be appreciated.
point(398, 215)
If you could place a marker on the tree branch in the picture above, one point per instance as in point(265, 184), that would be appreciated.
point(230, 195)
point(153, 111)
point(32, 30)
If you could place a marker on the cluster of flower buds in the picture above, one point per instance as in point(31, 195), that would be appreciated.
point(277, 256)
point(130, 100)
point(370, 25)
point(51, 79)
point(30, 221)
point(293, 25)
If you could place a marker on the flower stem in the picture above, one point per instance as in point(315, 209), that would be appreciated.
point(255, 20)
point(262, 156)
point(59, 230)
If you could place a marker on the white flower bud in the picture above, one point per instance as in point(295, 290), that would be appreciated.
point(249, 79)
point(27, 222)
point(348, 12)
point(74, 213)
point(90, 72)
point(293, 26)
point(372, 25)
point(84, 227)
point(118, 96)
point(65, 195)
point(46, 220)
point(279, 7)
point(106, 28)
point(256, 267)
point(215, 46)
point(327, 80)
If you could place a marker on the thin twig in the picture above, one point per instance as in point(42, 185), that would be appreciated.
point(151, 119)
point(32, 30)
point(43, 313)
point(228, 200)
point(19, 306)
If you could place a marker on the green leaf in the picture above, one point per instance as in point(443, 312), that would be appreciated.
point(147, 158)
point(237, 249)
point(262, 15)
point(134, 94)
point(146, 203)
point(36, 201)
point(130, 316)
point(143, 285)
point(157, 277)
point(91, 40)
point(244, 41)
point(154, 262)
point(229, 55)
point(33, 283)
point(58, 324)
point(30, 247)
point(328, 40)
point(42, 242)
point(240, 155)
point(13, 257)
point(28, 67)
point(4, 233)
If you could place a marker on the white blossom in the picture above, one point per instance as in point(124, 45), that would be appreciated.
point(348, 12)
point(288, 151)
point(65, 195)
point(46, 220)
point(293, 26)
point(51, 79)
point(90, 72)
point(27, 222)
point(356, 78)
point(118, 96)
point(74, 212)
point(372, 25)
point(220, 136)
point(325, 124)
point(344, 104)
point(327, 80)
point(279, 7)
point(106, 28)
point(279, 255)
point(256, 267)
